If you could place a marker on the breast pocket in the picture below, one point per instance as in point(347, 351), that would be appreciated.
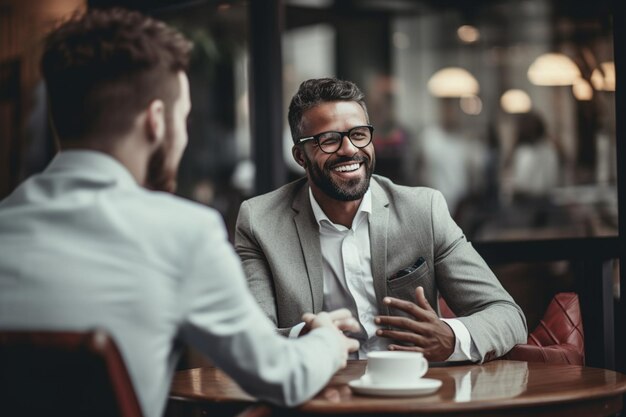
point(404, 286)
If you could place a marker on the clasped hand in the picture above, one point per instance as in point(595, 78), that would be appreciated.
point(340, 320)
point(423, 331)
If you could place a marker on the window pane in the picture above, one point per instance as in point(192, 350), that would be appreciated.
point(216, 169)
point(464, 99)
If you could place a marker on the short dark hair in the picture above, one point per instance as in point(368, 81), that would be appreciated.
point(314, 92)
point(104, 67)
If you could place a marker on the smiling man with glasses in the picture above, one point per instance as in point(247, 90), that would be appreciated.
point(344, 238)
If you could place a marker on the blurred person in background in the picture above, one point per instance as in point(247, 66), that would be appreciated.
point(342, 237)
point(529, 174)
point(391, 140)
point(534, 161)
point(448, 159)
point(92, 242)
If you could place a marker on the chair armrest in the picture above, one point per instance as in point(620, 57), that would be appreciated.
point(563, 353)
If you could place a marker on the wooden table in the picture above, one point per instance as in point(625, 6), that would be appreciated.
point(498, 388)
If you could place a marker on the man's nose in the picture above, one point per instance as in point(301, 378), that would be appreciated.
point(346, 147)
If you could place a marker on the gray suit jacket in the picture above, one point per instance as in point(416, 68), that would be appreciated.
point(277, 239)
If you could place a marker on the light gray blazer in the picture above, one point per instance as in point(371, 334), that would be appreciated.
point(278, 241)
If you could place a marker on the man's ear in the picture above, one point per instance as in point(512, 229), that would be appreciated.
point(155, 121)
point(298, 155)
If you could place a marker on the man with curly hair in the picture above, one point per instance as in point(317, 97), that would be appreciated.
point(91, 242)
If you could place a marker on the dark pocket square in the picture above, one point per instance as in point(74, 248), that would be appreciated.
point(408, 270)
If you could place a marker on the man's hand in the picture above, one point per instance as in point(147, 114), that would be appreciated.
point(424, 330)
point(340, 320)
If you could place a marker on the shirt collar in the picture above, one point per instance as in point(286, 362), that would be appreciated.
point(93, 165)
point(365, 208)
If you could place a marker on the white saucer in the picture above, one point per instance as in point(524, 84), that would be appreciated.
point(422, 386)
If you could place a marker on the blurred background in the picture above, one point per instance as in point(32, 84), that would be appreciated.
point(506, 106)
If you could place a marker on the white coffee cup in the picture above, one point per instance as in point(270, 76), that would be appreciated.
point(395, 367)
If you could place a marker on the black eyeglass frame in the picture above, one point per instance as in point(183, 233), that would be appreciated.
point(316, 138)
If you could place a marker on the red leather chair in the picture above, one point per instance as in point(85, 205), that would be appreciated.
point(558, 338)
point(64, 374)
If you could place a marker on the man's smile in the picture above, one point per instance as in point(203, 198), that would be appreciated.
point(347, 168)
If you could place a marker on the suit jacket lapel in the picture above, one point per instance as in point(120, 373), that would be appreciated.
point(310, 242)
point(378, 243)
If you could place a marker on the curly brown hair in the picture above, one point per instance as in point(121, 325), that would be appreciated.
point(104, 67)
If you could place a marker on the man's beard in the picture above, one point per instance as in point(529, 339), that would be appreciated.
point(351, 190)
point(161, 176)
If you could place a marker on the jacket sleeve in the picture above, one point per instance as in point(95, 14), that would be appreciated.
point(495, 322)
point(222, 320)
point(256, 266)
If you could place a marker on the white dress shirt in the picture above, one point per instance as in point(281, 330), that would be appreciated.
point(348, 280)
point(82, 245)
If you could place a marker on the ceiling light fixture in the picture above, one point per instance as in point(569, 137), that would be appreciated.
point(515, 101)
point(453, 82)
point(553, 69)
point(582, 90)
point(603, 78)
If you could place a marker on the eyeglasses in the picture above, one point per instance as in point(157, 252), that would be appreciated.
point(330, 142)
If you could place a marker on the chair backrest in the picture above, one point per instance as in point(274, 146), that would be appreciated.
point(46, 373)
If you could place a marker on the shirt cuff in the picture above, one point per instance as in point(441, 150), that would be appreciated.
point(294, 333)
point(463, 343)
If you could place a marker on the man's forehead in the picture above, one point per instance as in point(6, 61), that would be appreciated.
point(332, 110)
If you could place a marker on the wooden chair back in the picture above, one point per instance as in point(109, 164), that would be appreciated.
point(70, 374)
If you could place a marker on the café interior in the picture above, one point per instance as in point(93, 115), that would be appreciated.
point(508, 107)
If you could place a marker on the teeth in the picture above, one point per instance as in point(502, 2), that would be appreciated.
point(347, 168)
